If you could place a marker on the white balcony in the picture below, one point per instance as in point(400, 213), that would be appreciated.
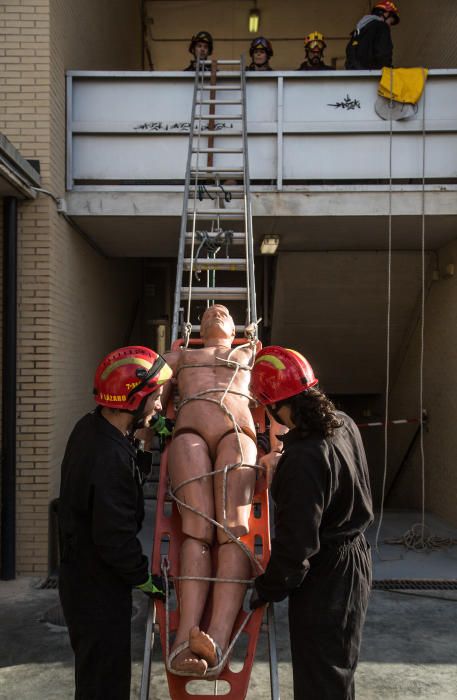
point(320, 159)
point(130, 129)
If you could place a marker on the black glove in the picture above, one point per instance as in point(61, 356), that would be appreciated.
point(256, 601)
point(154, 587)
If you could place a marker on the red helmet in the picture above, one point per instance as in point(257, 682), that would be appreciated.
point(388, 6)
point(279, 373)
point(127, 375)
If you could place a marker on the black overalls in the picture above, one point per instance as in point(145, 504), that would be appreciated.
point(101, 509)
point(320, 557)
point(371, 48)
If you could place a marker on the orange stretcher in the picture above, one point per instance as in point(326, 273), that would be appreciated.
point(168, 538)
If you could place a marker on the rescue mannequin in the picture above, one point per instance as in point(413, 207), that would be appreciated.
point(260, 52)
point(314, 53)
point(201, 46)
point(370, 46)
point(204, 440)
point(319, 556)
point(100, 511)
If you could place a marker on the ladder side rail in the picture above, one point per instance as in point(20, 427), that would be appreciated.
point(197, 152)
point(148, 649)
point(184, 220)
point(272, 652)
point(252, 304)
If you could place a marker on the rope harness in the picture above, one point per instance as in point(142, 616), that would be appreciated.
point(224, 471)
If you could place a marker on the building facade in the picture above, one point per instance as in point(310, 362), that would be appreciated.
point(92, 272)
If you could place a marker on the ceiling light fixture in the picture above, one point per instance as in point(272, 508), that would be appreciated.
point(254, 19)
point(269, 245)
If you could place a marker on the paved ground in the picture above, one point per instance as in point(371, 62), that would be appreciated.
point(409, 648)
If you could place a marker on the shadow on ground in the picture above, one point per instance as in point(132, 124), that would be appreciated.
point(409, 649)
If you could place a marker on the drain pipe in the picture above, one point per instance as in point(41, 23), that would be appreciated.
point(8, 484)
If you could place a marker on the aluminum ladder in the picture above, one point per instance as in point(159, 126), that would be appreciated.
point(216, 216)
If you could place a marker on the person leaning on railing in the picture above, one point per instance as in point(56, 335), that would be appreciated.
point(370, 46)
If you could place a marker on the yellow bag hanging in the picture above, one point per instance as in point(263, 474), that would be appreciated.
point(407, 84)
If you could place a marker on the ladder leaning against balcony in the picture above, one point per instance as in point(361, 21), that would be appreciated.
point(216, 216)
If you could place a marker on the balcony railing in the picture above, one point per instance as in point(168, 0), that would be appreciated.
point(130, 130)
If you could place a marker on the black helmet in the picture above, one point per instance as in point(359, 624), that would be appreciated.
point(262, 43)
point(201, 36)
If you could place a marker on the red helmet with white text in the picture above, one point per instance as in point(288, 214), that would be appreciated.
point(127, 375)
point(388, 6)
point(279, 373)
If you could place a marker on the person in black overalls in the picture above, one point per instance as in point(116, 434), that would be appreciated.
point(201, 46)
point(370, 46)
point(100, 511)
point(320, 557)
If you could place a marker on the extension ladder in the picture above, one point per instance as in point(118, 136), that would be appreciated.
point(216, 215)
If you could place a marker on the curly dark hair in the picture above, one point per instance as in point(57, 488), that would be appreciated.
point(312, 412)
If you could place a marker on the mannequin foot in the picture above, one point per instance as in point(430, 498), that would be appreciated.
point(203, 646)
point(187, 662)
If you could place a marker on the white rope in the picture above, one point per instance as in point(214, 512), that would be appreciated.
point(414, 538)
point(188, 325)
point(389, 301)
point(422, 328)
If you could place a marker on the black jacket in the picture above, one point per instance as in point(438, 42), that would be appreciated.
point(322, 498)
point(309, 66)
point(101, 506)
point(371, 48)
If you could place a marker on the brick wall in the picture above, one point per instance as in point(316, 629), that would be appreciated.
point(70, 312)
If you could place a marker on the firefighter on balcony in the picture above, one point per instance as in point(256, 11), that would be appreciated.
point(314, 53)
point(320, 557)
point(260, 52)
point(101, 509)
point(201, 46)
point(370, 46)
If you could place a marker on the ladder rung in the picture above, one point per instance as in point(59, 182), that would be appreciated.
point(238, 237)
point(216, 264)
point(218, 132)
point(220, 87)
point(219, 170)
point(215, 211)
point(238, 329)
point(219, 102)
point(218, 150)
point(233, 189)
point(227, 117)
point(210, 216)
point(205, 293)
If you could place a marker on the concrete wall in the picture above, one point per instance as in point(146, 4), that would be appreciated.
point(440, 400)
point(425, 36)
point(70, 309)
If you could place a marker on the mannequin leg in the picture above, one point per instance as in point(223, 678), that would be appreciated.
point(188, 457)
point(232, 561)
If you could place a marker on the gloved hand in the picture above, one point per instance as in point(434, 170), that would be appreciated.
point(256, 601)
point(154, 587)
point(162, 426)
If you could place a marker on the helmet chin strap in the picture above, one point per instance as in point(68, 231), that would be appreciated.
point(274, 412)
point(137, 416)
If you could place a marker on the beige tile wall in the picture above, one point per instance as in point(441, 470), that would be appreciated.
point(70, 310)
